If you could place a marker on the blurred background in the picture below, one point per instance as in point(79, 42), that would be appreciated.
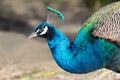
point(24, 59)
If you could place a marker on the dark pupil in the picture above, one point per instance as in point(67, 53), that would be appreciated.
point(41, 30)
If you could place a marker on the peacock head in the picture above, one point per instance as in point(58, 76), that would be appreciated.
point(44, 30)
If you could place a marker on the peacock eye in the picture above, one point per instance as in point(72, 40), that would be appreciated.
point(44, 30)
point(41, 30)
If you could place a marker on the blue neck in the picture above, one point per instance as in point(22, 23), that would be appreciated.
point(59, 40)
point(83, 57)
point(61, 48)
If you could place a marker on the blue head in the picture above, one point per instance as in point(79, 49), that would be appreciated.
point(44, 30)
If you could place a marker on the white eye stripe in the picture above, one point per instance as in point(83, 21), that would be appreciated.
point(37, 31)
point(44, 30)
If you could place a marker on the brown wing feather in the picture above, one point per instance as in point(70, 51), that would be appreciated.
point(108, 26)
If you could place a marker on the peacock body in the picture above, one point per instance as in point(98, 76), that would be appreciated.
point(96, 46)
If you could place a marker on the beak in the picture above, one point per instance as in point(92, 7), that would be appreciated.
point(32, 35)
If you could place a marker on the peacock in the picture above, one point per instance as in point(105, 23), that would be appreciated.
point(96, 46)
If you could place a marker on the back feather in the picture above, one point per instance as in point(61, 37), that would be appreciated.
point(108, 25)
